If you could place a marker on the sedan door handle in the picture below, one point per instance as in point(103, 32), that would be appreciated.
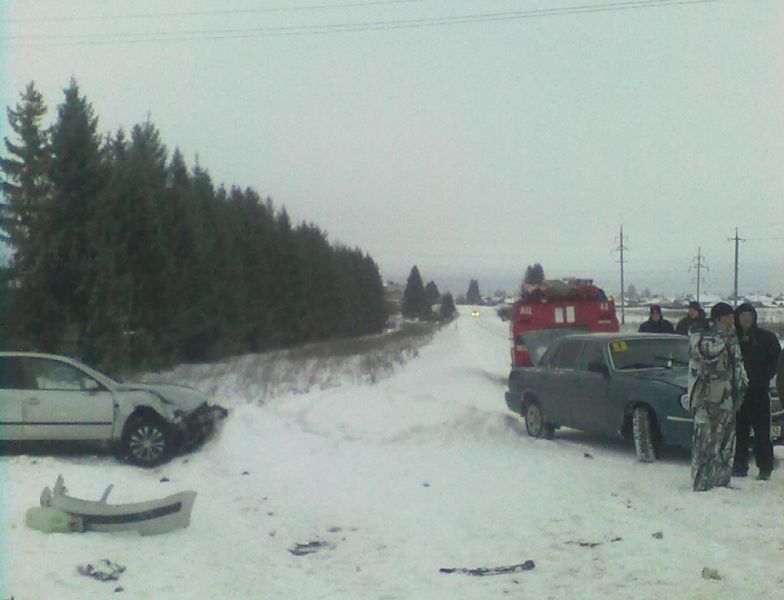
point(33, 401)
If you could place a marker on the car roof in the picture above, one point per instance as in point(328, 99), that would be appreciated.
point(35, 355)
point(612, 337)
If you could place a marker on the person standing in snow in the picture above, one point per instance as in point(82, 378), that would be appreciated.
point(694, 319)
point(656, 323)
point(717, 386)
point(761, 350)
point(780, 378)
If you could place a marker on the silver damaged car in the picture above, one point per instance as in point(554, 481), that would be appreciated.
point(46, 397)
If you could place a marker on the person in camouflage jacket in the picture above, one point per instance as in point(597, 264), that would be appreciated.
point(717, 386)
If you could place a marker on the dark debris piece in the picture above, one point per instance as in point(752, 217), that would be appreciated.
point(308, 548)
point(103, 570)
point(487, 571)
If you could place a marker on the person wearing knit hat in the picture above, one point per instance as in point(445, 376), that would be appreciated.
point(656, 323)
point(717, 386)
point(760, 349)
point(694, 319)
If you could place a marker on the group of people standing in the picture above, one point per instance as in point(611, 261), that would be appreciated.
point(731, 363)
point(694, 319)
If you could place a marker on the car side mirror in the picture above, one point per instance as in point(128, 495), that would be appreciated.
point(598, 367)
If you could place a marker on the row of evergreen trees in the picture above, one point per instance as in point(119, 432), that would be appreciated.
point(419, 299)
point(125, 257)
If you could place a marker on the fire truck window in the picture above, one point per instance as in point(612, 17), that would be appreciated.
point(592, 353)
point(566, 357)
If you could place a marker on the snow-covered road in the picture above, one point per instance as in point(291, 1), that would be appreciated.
point(423, 470)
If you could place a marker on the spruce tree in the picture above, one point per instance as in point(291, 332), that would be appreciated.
point(26, 194)
point(432, 293)
point(534, 274)
point(446, 310)
point(415, 304)
point(473, 296)
point(76, 177)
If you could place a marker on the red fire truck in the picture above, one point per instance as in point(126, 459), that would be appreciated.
point(556, 308)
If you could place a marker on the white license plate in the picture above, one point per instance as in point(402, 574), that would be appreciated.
point(775, 431)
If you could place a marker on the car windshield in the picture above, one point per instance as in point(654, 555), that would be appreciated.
point(649, 353)
point(537, 342)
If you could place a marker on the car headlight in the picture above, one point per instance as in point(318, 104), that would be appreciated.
point(685, 402)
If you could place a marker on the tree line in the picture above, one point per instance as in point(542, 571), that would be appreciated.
point(419, 300)
point(125, 257)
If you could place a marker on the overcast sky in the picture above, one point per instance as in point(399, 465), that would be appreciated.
point(470, 147)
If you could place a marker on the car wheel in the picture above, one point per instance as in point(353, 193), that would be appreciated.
point(644, 431)
point(534, 421)
point(147, 441)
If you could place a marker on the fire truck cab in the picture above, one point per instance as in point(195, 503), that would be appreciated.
point(553, 309)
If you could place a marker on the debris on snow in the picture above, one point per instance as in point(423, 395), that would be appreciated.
point(103, 570)
point(309, 547)
point(593, 544)
point(148, 518)
point(487, 571)
point(709, 573)
point(52, 520)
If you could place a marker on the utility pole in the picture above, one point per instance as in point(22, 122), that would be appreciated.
point(620, 248)
point(699, 265)
point(737, 241)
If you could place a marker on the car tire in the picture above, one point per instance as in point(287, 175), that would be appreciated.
point(644, 432)
point(147, 441)
point(535, 424)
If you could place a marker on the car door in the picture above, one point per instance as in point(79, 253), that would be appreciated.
point(562, 386)
point(65, 403)
point(590, 384)
point(12, 396)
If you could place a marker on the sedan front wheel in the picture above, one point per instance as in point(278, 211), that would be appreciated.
point(147, 441)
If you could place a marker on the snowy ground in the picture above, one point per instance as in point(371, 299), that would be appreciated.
point(421, 470)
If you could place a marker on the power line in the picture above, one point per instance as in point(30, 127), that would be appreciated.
point(737, 241)
point(699, 265)
point(206, 13)
point(360, 26)
point(621, 248)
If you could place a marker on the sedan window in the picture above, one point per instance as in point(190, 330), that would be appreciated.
point(593, 353)
point(56, 375)
point(566, 356)
point(11, 376)
point(649, 353)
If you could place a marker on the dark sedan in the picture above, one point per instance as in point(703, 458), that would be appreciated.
point(628, 385)
point(632, 386)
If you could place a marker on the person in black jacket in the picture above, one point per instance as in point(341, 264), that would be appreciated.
point(780, 379)
point(760, 349)
point(695, 319)
point(656, 323)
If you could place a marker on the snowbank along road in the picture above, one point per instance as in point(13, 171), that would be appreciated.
point(383, 484)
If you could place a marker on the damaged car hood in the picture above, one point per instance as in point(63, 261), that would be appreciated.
point(184, 398)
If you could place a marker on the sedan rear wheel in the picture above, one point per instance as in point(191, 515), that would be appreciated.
point(147, 441)
point(534, 421)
